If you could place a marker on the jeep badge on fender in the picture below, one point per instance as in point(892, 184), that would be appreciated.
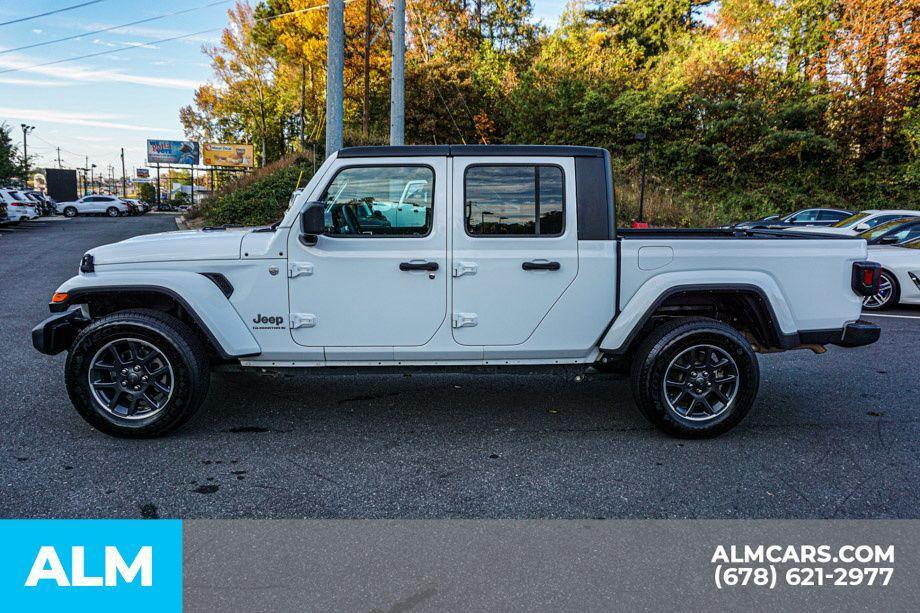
point(275, 321)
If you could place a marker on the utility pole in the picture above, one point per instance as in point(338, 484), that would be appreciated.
point(643, 138)
point(25, 151)
point(303, 110)
point(335, 65)
point(124, 184)
point(59, 158)
point(158, 185)
point(85, 170)
point(367, 69)
point(398, 75)
point(92, 178)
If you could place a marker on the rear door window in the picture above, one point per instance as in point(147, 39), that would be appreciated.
point(514, 200)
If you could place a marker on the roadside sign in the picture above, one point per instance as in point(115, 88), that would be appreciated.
point(228, 154)
point(172, 152)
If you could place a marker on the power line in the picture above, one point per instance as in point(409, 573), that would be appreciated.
point(156, 42)
point(60, 10)
point(110, 28)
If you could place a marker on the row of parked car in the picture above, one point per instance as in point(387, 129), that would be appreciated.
point(102, 204)
point(893, 237)
point(17, 205)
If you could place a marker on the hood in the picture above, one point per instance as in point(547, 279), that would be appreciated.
point(173, 247)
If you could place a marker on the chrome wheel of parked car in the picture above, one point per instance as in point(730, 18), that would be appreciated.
point(131, 378)
point(70, 212)
point(887, 294)
point(701, 382)
point(112, 211)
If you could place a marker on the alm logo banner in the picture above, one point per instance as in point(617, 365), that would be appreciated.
point(75, 565)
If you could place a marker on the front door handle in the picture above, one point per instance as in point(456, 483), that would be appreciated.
point(540, 265)
point(429, 266)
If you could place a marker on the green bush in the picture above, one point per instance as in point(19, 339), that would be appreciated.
point(259, 198)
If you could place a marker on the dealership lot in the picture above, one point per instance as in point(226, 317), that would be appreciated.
point(830, 436)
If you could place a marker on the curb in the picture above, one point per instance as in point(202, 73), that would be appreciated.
point(181, 223)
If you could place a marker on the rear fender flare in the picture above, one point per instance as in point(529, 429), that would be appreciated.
point(656, 290)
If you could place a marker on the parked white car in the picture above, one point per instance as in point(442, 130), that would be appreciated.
point(900, 278)
point(859, 222)
point(93, 205)
point(18, 207)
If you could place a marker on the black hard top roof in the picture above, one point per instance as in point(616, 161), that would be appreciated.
point(472, 150)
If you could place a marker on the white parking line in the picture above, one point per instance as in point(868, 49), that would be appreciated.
point(895, 316)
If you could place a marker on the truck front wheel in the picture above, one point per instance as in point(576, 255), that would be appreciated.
point(137, 374)
point(695, 377)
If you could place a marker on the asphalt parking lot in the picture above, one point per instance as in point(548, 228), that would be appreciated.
point(832, 436)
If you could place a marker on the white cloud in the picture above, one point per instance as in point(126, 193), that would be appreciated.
point(5, 80)
point(37, 31)
point(130, 43)
point(77, 72)
point(94, 120)
point(93, 139)
point(154, 33)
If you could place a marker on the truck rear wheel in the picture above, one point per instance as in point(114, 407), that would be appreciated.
point(695, 377)
point(137, 374)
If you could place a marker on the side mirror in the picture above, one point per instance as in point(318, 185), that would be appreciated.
point(888, 240)
point(312, 223)
point(861, 227)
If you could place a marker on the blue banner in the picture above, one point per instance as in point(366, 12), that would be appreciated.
point(91, 565)
point(172, 152)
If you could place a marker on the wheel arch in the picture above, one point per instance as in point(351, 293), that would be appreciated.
point(190, 297)
point(744, 306)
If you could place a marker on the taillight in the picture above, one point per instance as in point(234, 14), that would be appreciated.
point(866, 276)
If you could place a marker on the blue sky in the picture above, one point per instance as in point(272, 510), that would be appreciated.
point(93, 107)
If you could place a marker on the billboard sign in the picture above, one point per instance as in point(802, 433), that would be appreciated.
point(143, 173)
point(172, 152)
point(228, 154)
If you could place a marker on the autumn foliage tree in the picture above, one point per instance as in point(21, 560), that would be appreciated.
point(751, 106)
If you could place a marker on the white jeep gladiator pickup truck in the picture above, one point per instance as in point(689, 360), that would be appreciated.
point(398, 258)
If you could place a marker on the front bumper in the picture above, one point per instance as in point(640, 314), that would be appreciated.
point(57, 333)
point(854, 334)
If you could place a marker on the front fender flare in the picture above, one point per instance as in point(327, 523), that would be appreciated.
point(197, 294)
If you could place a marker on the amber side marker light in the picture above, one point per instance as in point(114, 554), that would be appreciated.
point(59, 297)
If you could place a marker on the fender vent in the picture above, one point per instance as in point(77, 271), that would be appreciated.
point(221, 282)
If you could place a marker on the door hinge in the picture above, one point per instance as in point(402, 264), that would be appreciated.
point(464, 320)
point(465, 268)
point(295, 269)
point(302, 320)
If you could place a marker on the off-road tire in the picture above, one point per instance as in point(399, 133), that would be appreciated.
point(179, 344)
point(665, 344)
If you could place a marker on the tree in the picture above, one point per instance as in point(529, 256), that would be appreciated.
point(147, 193)
point(10, 160)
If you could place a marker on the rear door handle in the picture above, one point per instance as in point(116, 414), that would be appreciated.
point(540, 265)
point(429, 266)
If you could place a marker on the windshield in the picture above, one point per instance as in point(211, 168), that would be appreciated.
point(881, 229)
point(849, 221)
